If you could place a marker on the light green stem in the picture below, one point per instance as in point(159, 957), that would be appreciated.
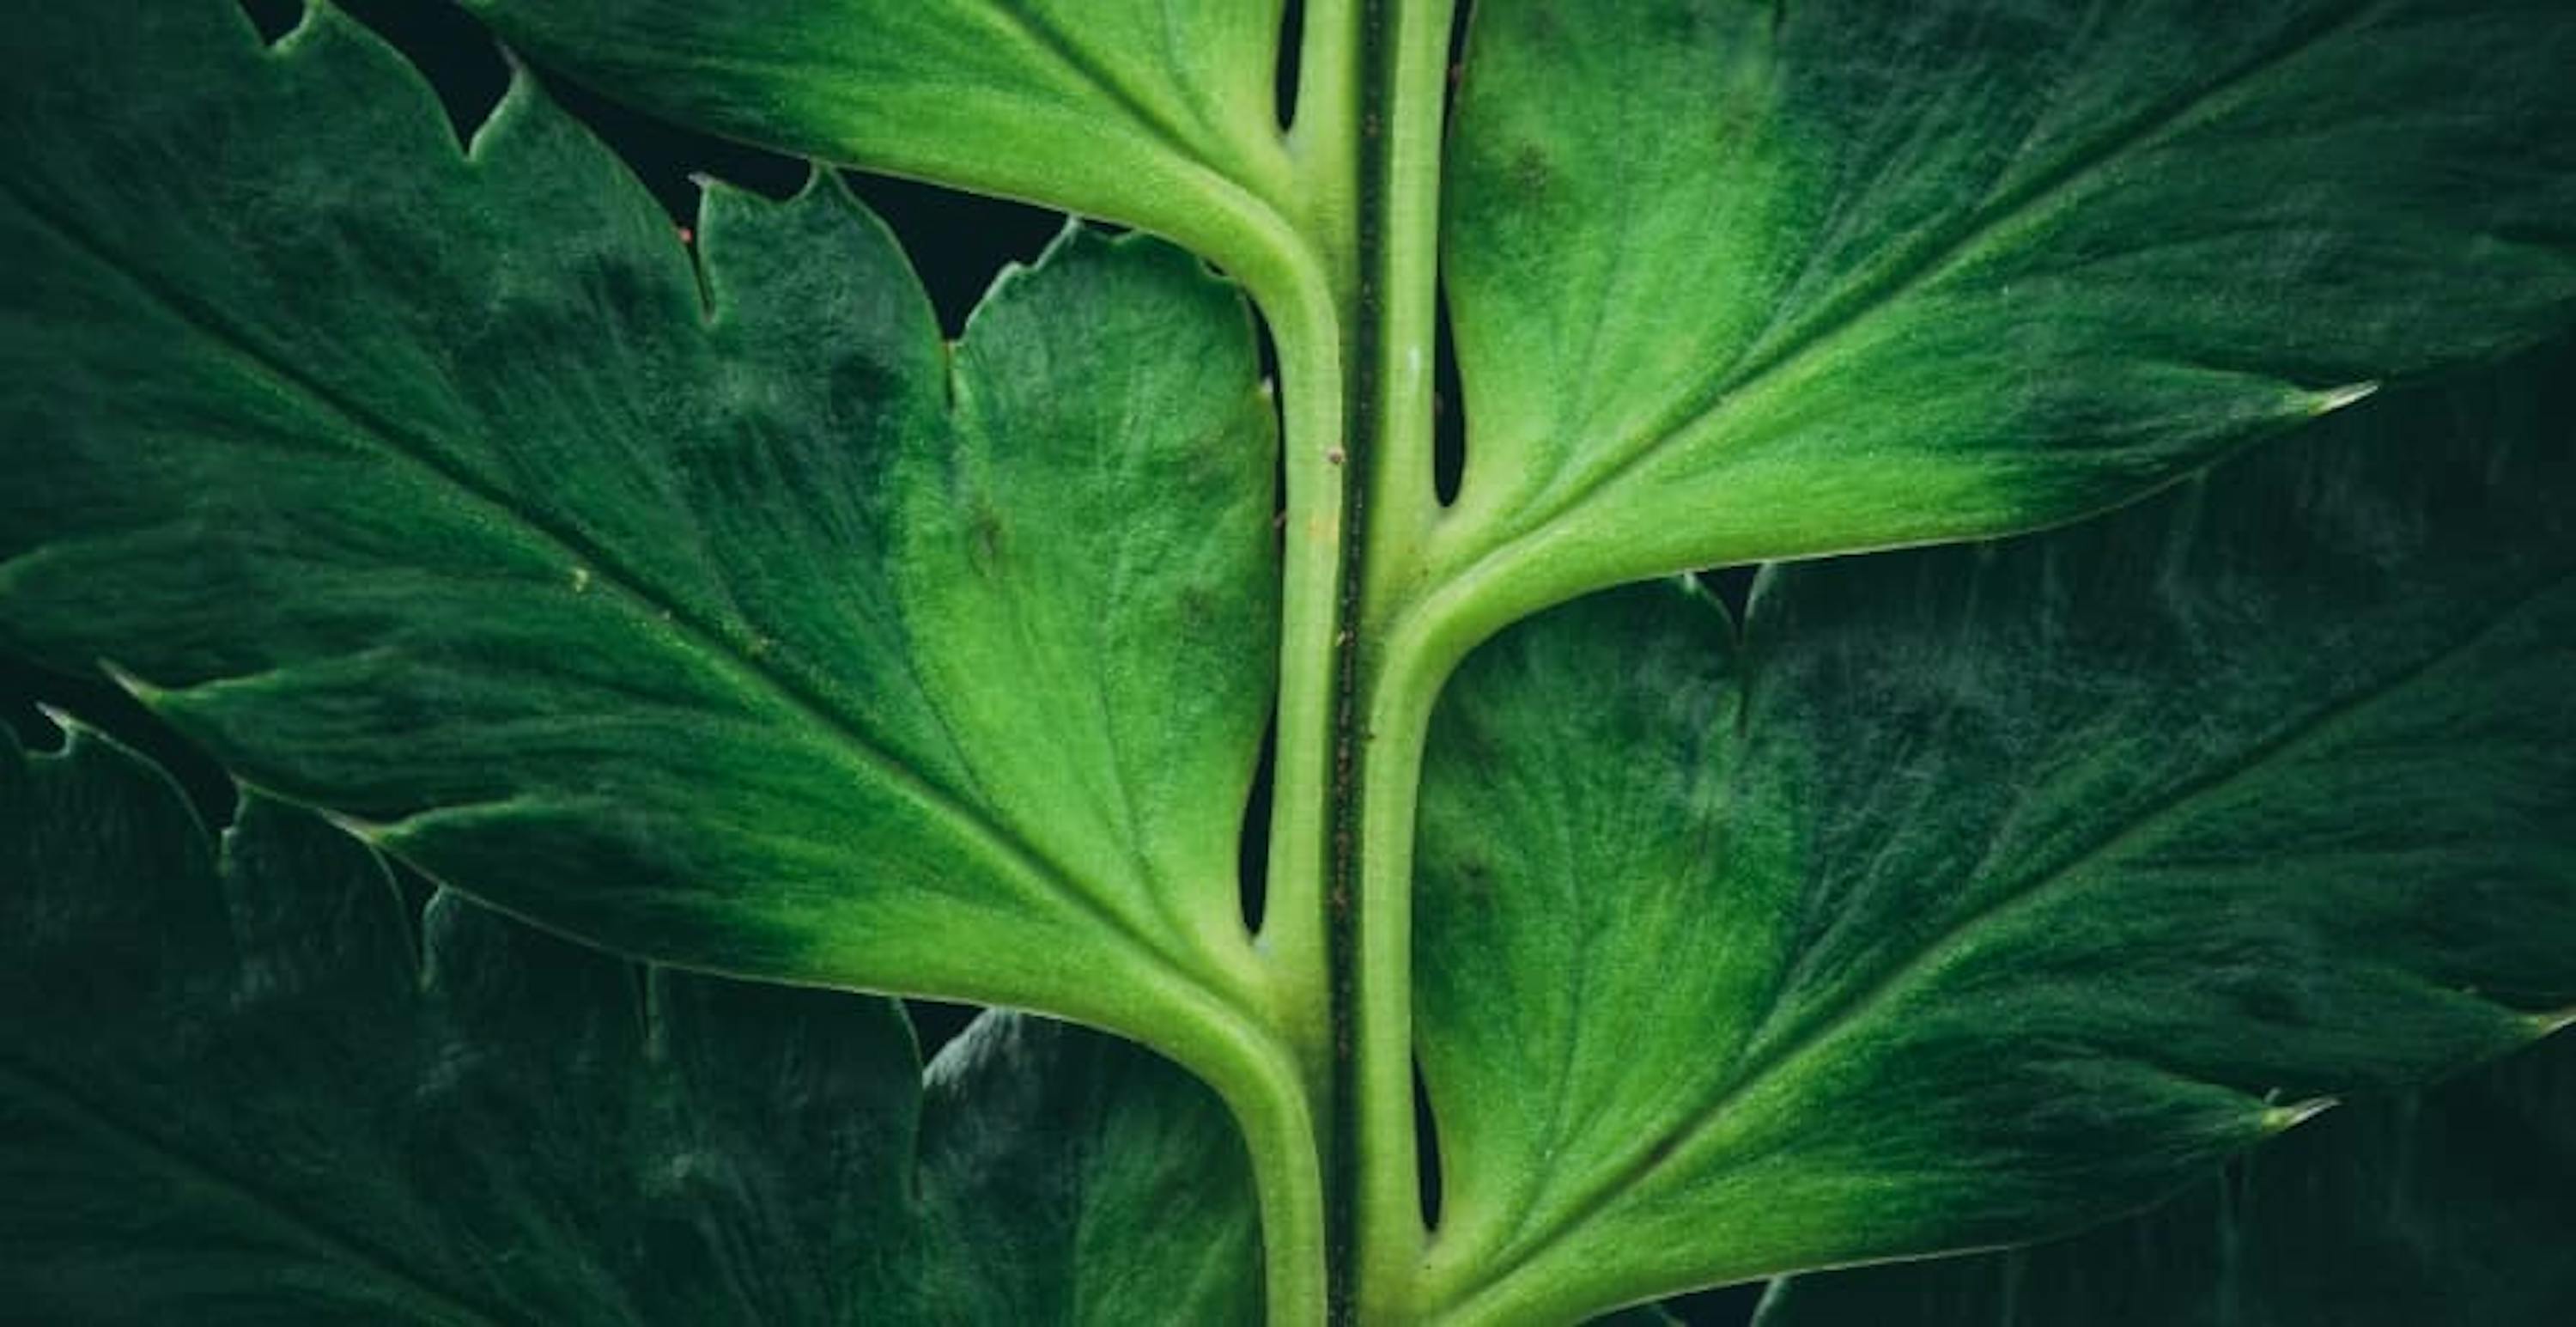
point(1356, 372)
point(1400, 682)
point(1309, 323)
point(1304, 327)
point(1264, 1083)
point(1399, 668)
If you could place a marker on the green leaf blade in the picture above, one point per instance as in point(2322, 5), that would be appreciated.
point(2448, 1205)
point(1953, 272)
point(2000, 886)
point(234, 1092)
point(293, 1114)
point(428, 489)
point(1159, 115)
point(1067, 1170)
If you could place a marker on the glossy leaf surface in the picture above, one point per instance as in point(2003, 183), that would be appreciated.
point(1735, 281)
point(1159, 113)
point(232, 1090)
point(721, 615)
point(2453, 1205)
point(1970, 895)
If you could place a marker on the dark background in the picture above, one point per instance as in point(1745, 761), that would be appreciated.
point(958, 242)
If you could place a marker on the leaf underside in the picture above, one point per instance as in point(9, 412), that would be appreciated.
point(1970, 895)
point(1155, 114)
point(233, 1090)
point(717, 613)
point(1953, 269)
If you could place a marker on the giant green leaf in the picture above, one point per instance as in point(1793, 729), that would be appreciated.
point(2451, 1206)
point(1737, 280)
point(721, 615)
point(1973, 894)
point(1155, 112)
point(233, 1090)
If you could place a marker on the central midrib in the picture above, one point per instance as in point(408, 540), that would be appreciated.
point(1344, 1186)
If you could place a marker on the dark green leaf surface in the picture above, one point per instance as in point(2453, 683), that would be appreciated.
point(1975, 894)
point(1736, 280)
point(2451, 1206)
point(231, 1092)
point(724, 615)
point(1072, 1178)
point(1155, 112)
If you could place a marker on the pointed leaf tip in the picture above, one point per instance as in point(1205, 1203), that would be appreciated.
point(357, 827)
point(2481, 1236)
point(144, 693)
point(75, 731)
point(1977, 345)
point(2282, 1119)
point(2336, 398)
